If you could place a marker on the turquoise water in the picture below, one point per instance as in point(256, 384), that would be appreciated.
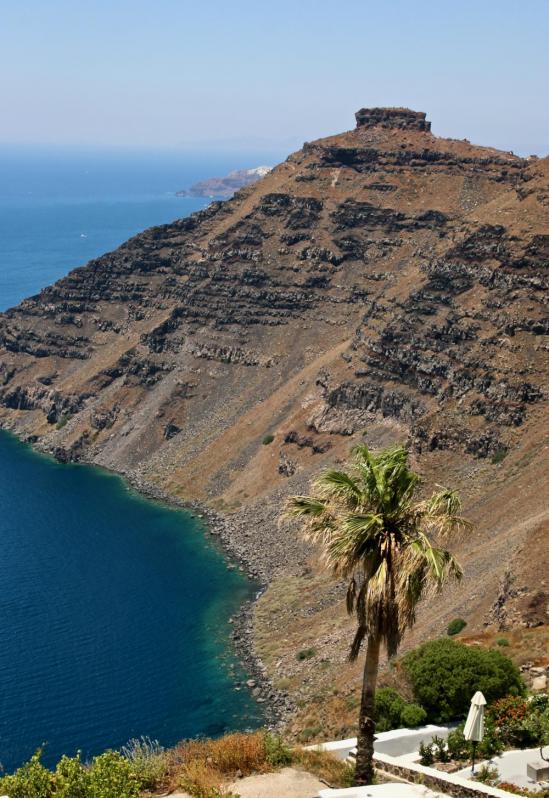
point(113, 609)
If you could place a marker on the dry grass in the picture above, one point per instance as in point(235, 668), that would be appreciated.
point(325, 767)
point(204, 768)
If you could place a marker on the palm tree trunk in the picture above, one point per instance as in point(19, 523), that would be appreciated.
point(364, 773)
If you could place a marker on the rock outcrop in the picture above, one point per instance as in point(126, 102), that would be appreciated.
point(400, 118)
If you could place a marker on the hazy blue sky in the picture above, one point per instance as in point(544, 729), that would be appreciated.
point(171, 73)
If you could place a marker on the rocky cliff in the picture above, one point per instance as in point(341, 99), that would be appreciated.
point(382, 283)
point(225, 187)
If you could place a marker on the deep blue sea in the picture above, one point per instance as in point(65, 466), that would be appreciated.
point(113, 609)
point(58, 210)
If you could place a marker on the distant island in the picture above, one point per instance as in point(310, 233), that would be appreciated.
point(225, 187)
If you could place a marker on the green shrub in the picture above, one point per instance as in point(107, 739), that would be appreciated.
point(502, 641)
point(440, 749)
point(63, 420)
point(392, 711)
point(71, 778)
point(306, 653)
point(32, 780)
point(458, 747)
point(499, 456)
point(444, 675)
point(426, 754)
point(508, 715)
point(487, 774)
point(111, 776)
point(491, 744)
point(388, 710)
point(536, 722)
point(278, 754)
point(267, 440)
point(412, 715)
point(455, 626)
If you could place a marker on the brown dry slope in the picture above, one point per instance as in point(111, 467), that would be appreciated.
point(382, 283)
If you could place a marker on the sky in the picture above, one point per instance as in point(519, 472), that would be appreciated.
point(237, 74)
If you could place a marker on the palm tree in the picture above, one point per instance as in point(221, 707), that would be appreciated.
point(376, 533)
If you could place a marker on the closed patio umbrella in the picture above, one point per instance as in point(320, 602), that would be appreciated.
point(474, 725)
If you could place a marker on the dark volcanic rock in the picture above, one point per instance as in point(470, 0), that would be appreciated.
point(399, 118)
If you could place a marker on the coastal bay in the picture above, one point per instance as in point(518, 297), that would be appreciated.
point(115, 615)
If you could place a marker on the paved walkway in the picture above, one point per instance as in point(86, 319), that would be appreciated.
point(289, 782)
point(511, 766)
point(392, 790)
point(292, 783)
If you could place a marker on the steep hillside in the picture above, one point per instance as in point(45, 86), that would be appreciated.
point(383, 283)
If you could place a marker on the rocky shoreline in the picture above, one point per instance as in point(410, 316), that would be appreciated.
point(228, 535)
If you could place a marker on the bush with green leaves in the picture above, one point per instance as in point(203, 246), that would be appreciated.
point(267, 440)
point(520, 722)
point(440, 749)
point(487, 774)
point(109, 775)
point(389, 706)
point(393, 711)
point(412, 715)
point(444, 675)
point(278, 754)
point(112, 776)
point(491, 744)
point(32, 780)
point(305, 653)
point(537, 719)
point(71, 778)
point(456, 626)
point(499, 456)
point(461, 749)
point(458, 747)
point(508, 715)
point(426, 754)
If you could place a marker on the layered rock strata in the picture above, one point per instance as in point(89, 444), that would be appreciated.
point(382, 282)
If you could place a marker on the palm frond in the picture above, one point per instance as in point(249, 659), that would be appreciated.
point(305, 505)
point(444, 502)
point(354, 544)
point(362, 525)
point(362, 603)
point(440, 563)
point(351, 595)
point(358, 639)
point(338, 483)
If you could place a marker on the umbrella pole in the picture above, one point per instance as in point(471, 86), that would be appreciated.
point(474, 751)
